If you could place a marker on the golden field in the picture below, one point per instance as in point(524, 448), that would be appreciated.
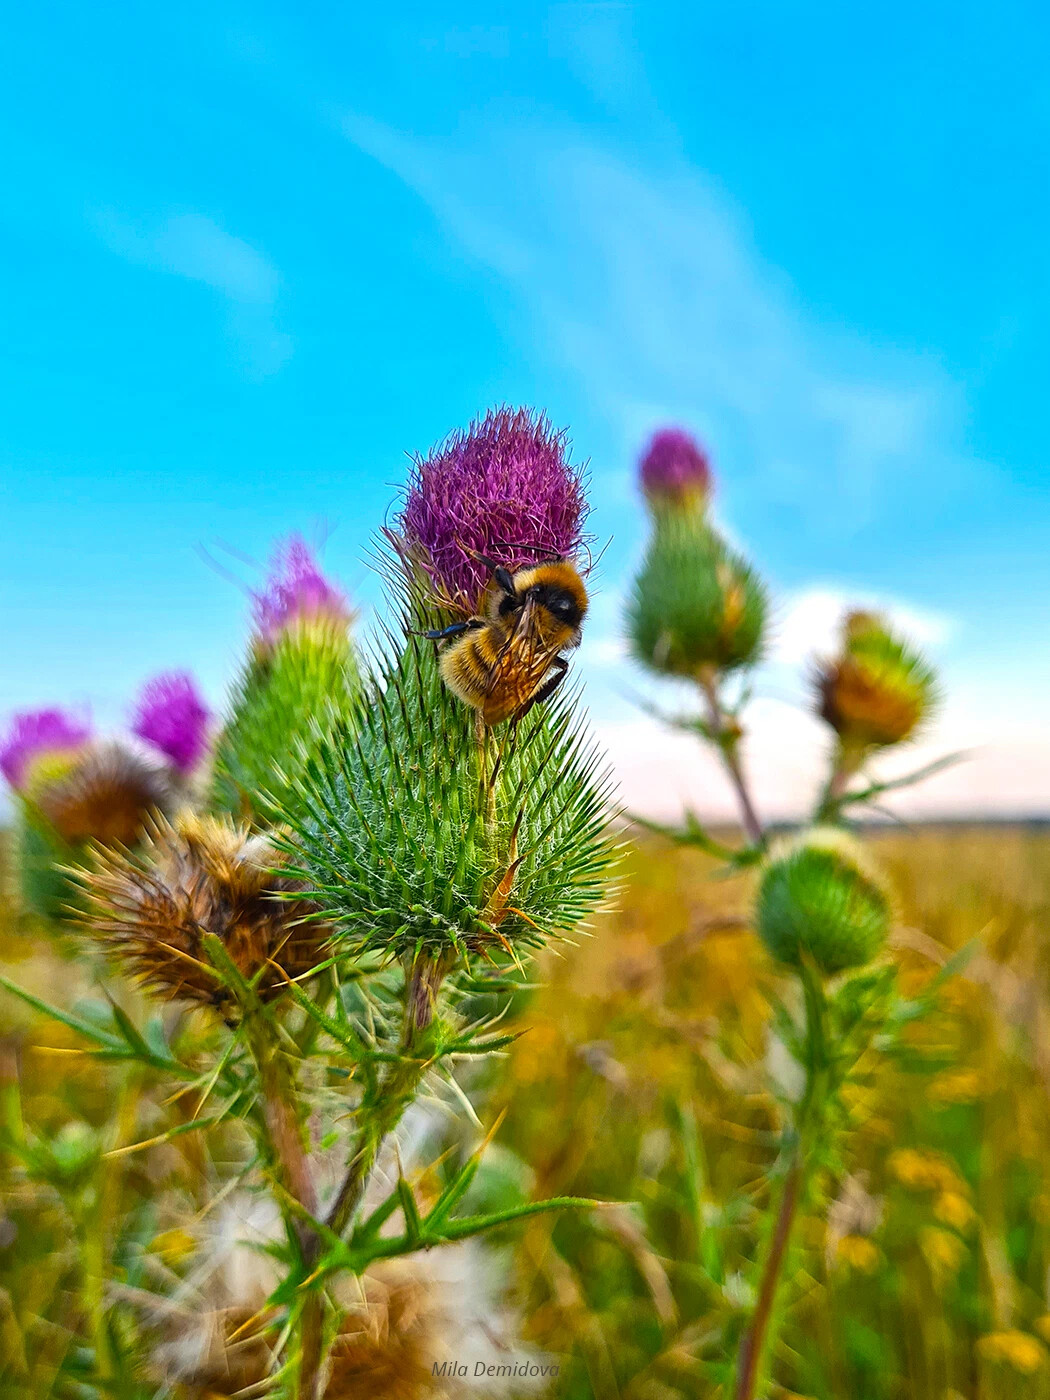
point(643, 1078)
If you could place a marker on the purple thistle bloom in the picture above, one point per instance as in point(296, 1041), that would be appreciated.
point(36, 732)
point(675, 469)
point(296, 591)
point(503, 488)
point(170, 715)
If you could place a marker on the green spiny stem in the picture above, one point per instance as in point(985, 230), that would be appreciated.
point(727, 739)
point(290, 1151)
point(398, 1088)
point(846, 765)
point(760, 1333)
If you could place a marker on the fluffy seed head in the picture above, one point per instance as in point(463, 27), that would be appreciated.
point(297, 593)
point(878, 690)
point(170, 715)
point(675, 471)
point(106, 793)
point(39, 735)
point(696, 605)
point(193, 876)
point(503, 488)
point(818, 901)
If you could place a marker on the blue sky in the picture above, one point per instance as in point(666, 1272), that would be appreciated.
point(255, 254)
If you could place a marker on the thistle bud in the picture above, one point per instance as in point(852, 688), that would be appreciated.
point(300, 675)
point(696, 605)
point(193, 876)
point(675, 472)
point(504, 489)
point(819, 902)
point(40, 737)
point(171, 717)
point(878, 690)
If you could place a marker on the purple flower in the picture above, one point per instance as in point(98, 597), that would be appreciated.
point(37, 732)
point(171, 715)
point(505, 489)
point(675, 469)
point(296, 591)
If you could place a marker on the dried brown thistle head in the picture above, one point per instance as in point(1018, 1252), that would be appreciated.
point(192, 876)
point(107, 794)
point(386, 1348)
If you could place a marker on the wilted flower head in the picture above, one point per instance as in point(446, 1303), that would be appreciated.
point(297, 592)
point(819, 901)
point(199, 875)
point(674, 470)
point(170, 715)
point(107, 793)
point(696, 605)
point(879, 689)
point(503, 488)
point(40, 735)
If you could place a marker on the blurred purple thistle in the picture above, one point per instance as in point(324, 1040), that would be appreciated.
point(503, 488)
point(296, 591)
point(675, 469)
point(36, 732)
point(170, 715)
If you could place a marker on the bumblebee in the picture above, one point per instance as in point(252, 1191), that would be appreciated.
point(509, 658)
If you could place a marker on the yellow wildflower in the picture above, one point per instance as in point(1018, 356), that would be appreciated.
point(956, 1086)
point(942, 1250)
point(859, 1253)
point(955, 1210)
point(923, 1171)
point(1015, 1349)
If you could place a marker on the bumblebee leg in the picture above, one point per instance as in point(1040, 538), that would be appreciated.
point(559, 670)
point(454, 629)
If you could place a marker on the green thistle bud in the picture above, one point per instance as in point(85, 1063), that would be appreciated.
point(819, 901)
point(287, 695)
point(878, 690)
point(431, 840)
point(696, 605)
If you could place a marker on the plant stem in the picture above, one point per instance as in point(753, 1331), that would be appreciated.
point(396, 1092)
point(288, 1144)
point(761, 1330)
point(753, 1345)
point(727, 738)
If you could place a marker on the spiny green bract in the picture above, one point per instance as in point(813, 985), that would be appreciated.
point(289, 693)
point(817, 901)
point(696, 605)
point(880, 689)
point(420, 834)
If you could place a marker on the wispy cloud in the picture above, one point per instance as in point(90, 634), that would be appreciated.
point(195, 247)
point(646, 284)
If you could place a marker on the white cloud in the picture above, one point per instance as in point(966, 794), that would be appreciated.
point(648, 287)
point(809, 622)
point(195, 247)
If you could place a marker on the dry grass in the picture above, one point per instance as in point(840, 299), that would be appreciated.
point(644, 1077)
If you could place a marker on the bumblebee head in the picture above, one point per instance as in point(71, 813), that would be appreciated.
point(556, 593)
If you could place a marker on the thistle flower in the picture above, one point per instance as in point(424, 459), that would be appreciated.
point(170, 715)
point(503, 488)
point(47, 736)
point(107, 793)
point(878, 690)
point(818, 902)
point(426, 838)
point(297, 594)
point(300, 675)
point(675, 471)
point(696, 605)
point(194, 876)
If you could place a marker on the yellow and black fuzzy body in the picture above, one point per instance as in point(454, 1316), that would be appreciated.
point(510, 656)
